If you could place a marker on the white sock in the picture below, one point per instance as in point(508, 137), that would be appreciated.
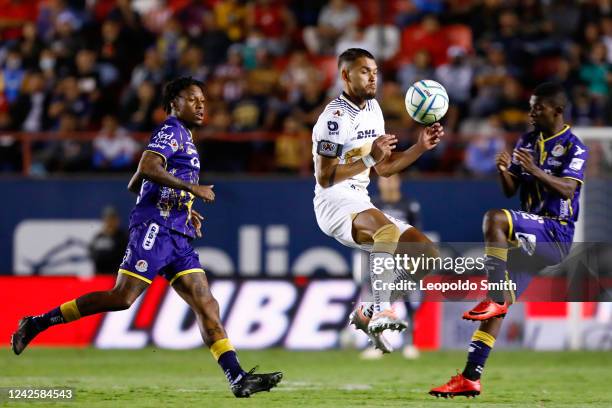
point(382, 268)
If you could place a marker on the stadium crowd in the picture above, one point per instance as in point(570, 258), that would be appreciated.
point(270, 67)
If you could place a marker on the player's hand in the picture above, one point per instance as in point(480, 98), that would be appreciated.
point(503, 161)
point(525, 159)
point(431, 136)
point(196, 220)
point(204, 192)
point(382, 147)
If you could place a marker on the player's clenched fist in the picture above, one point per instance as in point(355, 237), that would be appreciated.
point(204, 192)
point(502, 161)
point(431, 136)
point(382, 147)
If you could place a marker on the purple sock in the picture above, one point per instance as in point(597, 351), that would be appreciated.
point(477, 356)
point(230, 366)
point(51, 318)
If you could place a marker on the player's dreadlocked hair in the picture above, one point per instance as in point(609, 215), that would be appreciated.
point(553, 92)
point(352, 54)
point(174, 87)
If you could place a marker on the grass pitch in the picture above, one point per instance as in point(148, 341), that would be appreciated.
point(164, 378)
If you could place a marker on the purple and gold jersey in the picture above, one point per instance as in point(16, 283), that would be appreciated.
point(166, 206)
point(561, 155)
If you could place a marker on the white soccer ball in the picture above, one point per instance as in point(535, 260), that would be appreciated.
point(426, 101)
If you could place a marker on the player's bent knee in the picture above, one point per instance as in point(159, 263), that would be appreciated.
point(494, 221)
point(386, 239)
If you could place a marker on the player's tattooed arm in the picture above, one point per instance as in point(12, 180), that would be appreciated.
point(565, 187)
point(151, 167)
point(429, 138)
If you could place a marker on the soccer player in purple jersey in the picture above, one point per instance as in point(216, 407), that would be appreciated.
point(162, 224)
point(548, 166)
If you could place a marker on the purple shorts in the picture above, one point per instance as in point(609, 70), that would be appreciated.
point(540, 242)
point(156, 250)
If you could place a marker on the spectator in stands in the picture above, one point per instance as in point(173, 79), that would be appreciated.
point(171, 43)
point(274, 20)
point(512, 107)
point(113, 148)
point(151, 70)
point(393, 107)
point(139, 108)
point(231, 76)
point(29, 112)
point(214, 41)
point(67, 154)
point(292, 148)
point(30, 46)
point(191, 63)
point(108, 246)
point(310, 104)
point(336, 18)
point(11, 75)
point(230, 16)
point(355, 38)
point(482, 148)
point(47, 64)
point(68, 98)
point(457, 77)
point(419, 68)
point(489, 81)
point(596, 72)
point(298, 72)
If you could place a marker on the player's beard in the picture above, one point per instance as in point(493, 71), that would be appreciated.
point(367, 94)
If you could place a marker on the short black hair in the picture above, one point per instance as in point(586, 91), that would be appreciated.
point(352, 54)
point(174, 87)
point(552, 92)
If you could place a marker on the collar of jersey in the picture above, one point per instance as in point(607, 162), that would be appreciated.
point(177, 120)
point(351, 104)
point(562, 131)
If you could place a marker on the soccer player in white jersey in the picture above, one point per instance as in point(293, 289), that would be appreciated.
point(348, 141)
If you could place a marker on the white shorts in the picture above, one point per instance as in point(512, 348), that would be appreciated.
point(335, 211)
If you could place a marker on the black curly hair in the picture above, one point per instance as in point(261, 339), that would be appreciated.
point(174, 87)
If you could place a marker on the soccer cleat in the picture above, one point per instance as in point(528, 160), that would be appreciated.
point(23, 335)
point(361, 321)
point(458, 385)
point(485, 310)
point(250, 383)
point(387, 319)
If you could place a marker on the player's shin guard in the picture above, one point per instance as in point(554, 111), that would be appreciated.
point(495, 265)
point(67, 312)
point(225, 354)
point(478, 352)
point(382, 265)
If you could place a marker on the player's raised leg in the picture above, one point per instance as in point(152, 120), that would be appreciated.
point(496, 229)
point(193, 288)
point(372, 226)
point(126, 291)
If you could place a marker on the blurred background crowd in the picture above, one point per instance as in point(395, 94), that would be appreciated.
point(80, 80)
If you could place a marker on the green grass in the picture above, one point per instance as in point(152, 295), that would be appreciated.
point(164, 378)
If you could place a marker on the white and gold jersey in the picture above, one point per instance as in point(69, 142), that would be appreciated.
point(345, 131)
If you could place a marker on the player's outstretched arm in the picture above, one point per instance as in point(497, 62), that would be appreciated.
point(151, 167)
point(508, 181)
point(329, 171)
point(563, 186)
point(396, 162)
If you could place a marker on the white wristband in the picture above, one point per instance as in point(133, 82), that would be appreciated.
point(368, 161)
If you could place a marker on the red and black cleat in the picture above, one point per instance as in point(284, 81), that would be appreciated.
point(458, 385)
point(485, 310)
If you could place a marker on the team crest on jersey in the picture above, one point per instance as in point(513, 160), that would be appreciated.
point(174, 145)
point(142, 265)
point(338, 113)
point(579, 151)
point(558, 150)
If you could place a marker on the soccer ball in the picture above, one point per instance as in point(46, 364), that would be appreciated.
point(426, 101)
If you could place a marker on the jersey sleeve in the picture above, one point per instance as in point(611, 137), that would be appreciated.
point(165, 141)
point(575, 162)
point(330, 133)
